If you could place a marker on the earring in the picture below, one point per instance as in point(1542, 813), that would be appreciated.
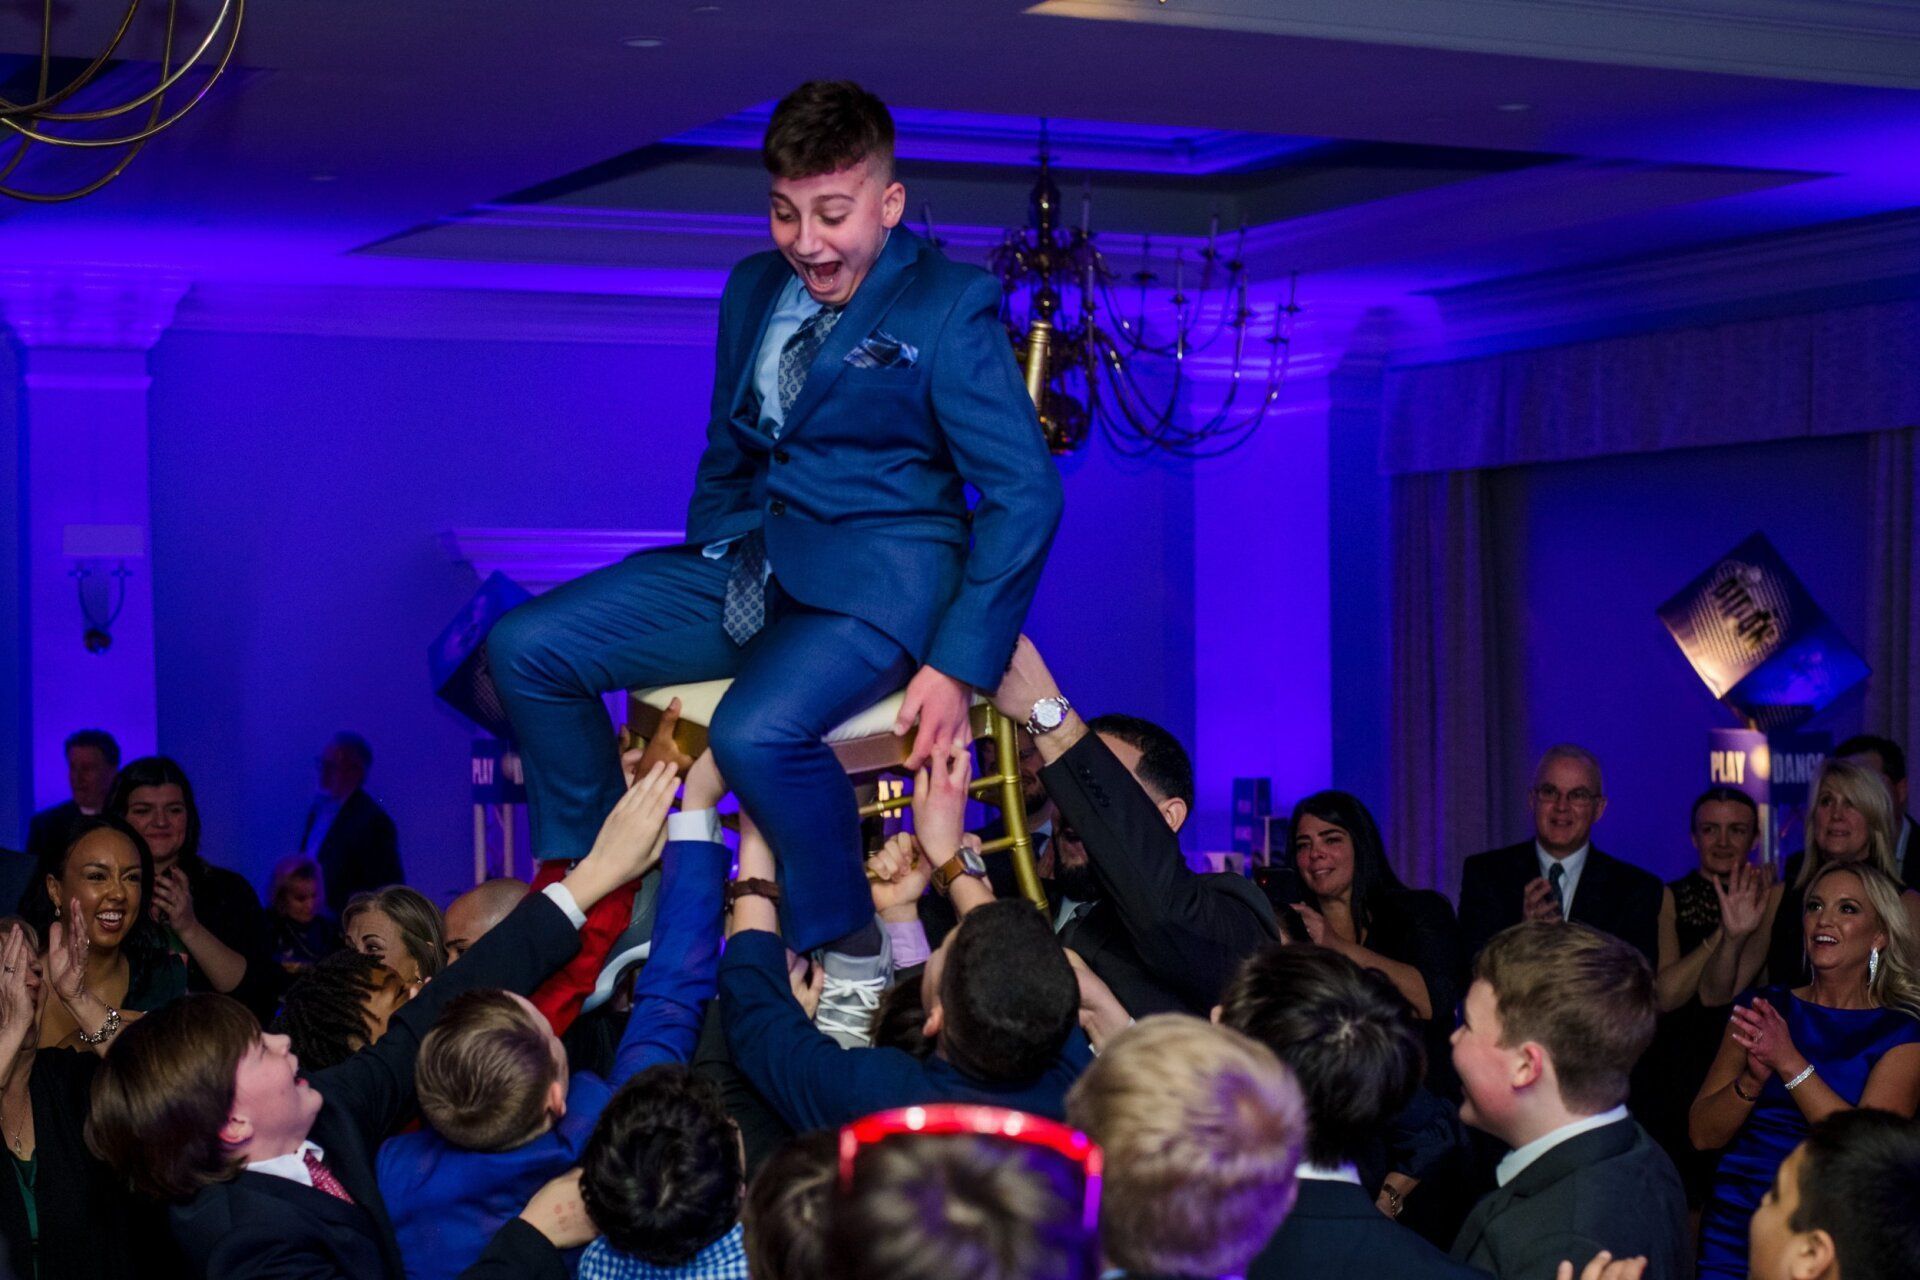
point(1873, 965)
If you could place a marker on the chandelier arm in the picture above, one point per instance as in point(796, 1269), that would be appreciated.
point(167, 81)
point(79, 82)
point(18, 156)
point(41, 197)
point(152, 129)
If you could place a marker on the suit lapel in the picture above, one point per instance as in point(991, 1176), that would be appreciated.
point(766, 291)
point(1596, 881)
point(1490, 1206)
point(890, 275)
point(310, 1200)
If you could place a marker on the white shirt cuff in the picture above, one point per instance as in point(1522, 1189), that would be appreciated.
point(694, 824)
point(563, 899)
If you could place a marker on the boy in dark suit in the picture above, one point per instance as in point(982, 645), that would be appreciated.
point(1349, 1039)
point(862, 383)
point(1555, 1019)
point(272, 1174)
point(1559, 875)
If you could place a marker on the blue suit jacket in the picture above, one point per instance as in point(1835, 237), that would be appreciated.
point(447, 1201)
point(863, 497)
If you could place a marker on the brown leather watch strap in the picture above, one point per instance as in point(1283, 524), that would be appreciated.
point(752, 887)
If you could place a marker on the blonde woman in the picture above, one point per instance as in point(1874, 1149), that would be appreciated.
point(1852, 822)
point(1849, 1037)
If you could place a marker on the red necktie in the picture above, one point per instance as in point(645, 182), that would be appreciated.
point(323, 1178)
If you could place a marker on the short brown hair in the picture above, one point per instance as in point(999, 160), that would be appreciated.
point(825, 126)
point(1584, 996)
point(785, 1214)
point(961, 1207)
point(483, 1073)
point(1202, 1129)
point(165, 1091)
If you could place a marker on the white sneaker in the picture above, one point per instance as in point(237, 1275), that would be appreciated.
point(852, 993)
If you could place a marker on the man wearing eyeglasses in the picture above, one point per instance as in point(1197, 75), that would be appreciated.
point(1558, 874)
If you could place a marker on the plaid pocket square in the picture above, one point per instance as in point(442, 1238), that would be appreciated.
point(883, 351)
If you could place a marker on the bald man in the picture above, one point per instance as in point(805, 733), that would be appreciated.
point(480, 908)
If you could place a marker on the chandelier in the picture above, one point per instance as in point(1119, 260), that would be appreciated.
point(51, 118)
point(1088, 362)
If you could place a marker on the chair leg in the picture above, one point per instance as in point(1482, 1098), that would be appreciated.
point(1013, 809)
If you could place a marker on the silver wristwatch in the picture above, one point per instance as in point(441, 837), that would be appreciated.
point(1047, 715)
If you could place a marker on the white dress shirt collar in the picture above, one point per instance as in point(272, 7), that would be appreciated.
point(1571, 866)
point(1515, 1162)
point(292, 1166)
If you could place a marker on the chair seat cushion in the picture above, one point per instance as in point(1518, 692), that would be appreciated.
point(699, 700)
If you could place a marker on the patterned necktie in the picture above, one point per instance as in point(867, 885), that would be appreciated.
point(796, 358)
point(745, 609)
point(1556, 876)
point(323, 1179)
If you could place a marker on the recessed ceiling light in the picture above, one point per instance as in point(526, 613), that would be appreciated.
point(643, 42)
point(1515, 106)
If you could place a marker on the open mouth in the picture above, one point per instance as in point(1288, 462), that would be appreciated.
point(822, 277)
point(1824, 940)
point(110, 921)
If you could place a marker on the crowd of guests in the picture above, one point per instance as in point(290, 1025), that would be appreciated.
point(1578, 1072)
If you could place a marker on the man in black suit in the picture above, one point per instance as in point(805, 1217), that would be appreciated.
point(1559, 875)
point(1885, 757)
point(1555, 1019)
point(93, 757)
point(272, 1175)
point(1163, 937)
point(1350, 1041)
point(350, 835)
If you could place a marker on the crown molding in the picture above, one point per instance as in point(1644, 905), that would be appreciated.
point(89, 307)
point(1826, 265)
point(1860, 42)
point(451, 314)
point(539, 559)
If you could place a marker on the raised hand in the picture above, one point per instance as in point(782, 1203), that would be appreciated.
point(1026, 682)
point(1762, 1032)
point(940, 793)
point(16, 997)
point(1314, 923)
point(938, 704)
point(660, 749)
point(1537, 901)
point(1605, 1266)
point(67, 949)
point(1102, 1016)
point(705, 787)
point(1743, 900)
point(807, 981)
point(898, 874)
point(558, 1213)
point(173, 900)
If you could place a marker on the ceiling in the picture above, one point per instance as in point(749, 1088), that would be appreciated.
point(1382, 147)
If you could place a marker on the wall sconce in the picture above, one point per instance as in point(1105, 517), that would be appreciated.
point(99, 553)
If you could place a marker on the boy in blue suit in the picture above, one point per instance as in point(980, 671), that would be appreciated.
point(862, 383)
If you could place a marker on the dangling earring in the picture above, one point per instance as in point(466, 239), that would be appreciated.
point(1873, 965)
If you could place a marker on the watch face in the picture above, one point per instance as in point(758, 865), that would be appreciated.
point(1047, 713)
point(974, 863)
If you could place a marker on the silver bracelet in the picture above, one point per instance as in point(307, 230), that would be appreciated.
point(111, 1025)
point(1800, 1079)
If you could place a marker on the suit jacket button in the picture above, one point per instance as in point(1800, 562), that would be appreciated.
point(777, 507)
point(780, 456)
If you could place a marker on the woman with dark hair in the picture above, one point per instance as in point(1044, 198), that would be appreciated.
point(401, 929)
point(209, 918)
point(63, 1215)
point(98, 884)
point(1349, 900)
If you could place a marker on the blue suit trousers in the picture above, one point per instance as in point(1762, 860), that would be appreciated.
point(654, 619)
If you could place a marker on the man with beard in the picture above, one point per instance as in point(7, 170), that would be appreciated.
point(1162, 936)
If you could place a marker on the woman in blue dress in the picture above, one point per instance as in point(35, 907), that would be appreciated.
point(1791, 1056)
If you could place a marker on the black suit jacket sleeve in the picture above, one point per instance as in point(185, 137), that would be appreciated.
point(1490, 900)
point(374, 1087)
point(518, 1252)
point(1192, 930)
point(379, 845)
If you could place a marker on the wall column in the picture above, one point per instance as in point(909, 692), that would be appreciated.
point(84, 503)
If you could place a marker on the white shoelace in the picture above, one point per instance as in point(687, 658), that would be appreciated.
point(847, 1006)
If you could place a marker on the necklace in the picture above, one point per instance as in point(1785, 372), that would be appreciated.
point(16, 1138)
